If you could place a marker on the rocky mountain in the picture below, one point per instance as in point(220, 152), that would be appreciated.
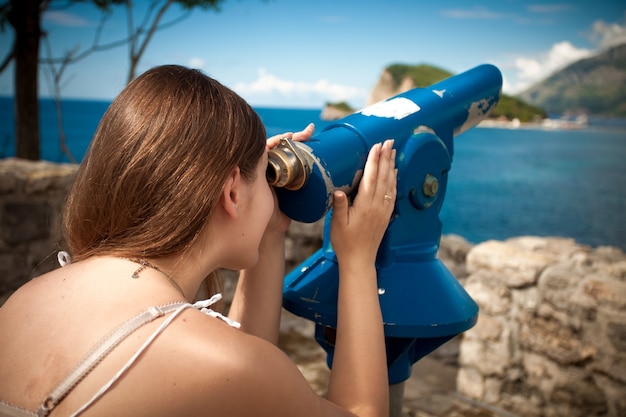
point(398, 78)
point(335, 111)
point(594, 86)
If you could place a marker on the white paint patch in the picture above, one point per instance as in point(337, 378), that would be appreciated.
point(397, 108)
point(478, 111)
point(439, 92)
point(326, 178)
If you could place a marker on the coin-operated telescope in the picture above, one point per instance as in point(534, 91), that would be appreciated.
point(423, 305)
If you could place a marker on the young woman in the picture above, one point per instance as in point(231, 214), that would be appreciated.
point(173, 188)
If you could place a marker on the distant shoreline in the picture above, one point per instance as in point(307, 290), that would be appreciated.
point(544, 124)
point(557, 123)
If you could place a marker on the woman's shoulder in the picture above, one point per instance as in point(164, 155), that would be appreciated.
point(200, 339)
point(232, 372)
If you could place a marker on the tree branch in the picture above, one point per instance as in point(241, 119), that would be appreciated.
point(8, 58)
point(136, 54)
point(56, 75)
point(153, 27)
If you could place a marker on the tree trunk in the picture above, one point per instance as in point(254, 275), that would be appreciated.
point(27, 34)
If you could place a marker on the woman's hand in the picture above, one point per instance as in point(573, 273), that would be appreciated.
point(356, 231)
point(279, 222)
point(300, 136)
point(358, 380)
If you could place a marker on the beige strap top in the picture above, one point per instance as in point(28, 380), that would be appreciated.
point(104, 347)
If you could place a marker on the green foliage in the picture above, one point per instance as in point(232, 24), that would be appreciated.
point(203, 4)
point(185, 4)
point(342, 106)
point(104, 4)
point(5, 9)
point(422, 75)
point(511, 107)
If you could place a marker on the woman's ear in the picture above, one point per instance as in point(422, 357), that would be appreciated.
point(231, 193)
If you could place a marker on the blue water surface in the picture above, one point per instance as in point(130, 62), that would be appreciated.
point(506, 183)
point(503, 183)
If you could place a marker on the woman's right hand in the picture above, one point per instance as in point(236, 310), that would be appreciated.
point(358, 382)
point(357, 230)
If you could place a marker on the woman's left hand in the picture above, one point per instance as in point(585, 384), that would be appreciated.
point(279, 222)
point(300, 136)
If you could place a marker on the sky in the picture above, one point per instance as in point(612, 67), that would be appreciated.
point(302, 53)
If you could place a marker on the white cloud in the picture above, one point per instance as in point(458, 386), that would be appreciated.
point(528, 70)
point(61, 18)
point(197, 63)
point(606, 35)
point(268, 88)
point(523, 71)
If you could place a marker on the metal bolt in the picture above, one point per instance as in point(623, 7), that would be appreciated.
point(430, 186)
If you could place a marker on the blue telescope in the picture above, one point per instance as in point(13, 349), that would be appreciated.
point(422, 303)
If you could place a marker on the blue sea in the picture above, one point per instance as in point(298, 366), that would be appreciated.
point(503, 182)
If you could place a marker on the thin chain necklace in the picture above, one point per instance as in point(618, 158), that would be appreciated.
point(143, 264)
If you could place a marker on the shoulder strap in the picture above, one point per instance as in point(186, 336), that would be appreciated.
point(8, 410)
point(100, 351)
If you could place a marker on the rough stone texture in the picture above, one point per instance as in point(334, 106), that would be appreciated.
point(550, 338)
point(32, 195)
point(331, 112)
point(385, 88)
point(551, 332)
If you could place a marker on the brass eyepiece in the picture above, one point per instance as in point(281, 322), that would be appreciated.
point(287, 166)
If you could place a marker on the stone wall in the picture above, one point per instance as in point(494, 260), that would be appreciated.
point(551, 334)
point(550, 338)
point(32, 195)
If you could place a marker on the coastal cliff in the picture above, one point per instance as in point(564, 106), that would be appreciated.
point(336, 111)
point(398, 78)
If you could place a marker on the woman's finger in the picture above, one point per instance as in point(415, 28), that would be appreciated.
point(367, 187)
point(385, 180)
point(275, 140)
point(305, 134)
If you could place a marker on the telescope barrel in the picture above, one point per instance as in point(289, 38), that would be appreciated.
point(335, 157)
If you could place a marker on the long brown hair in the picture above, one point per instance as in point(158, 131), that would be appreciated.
point(157, 164)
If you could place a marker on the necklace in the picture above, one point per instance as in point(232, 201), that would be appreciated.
point(143, 264)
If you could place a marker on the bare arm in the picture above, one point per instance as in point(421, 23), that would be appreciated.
point(359, 379)
point(258, 297)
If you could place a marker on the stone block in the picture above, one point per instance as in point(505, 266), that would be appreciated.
point(470, 382)
point(491, 295)
point(488, 328)
point(616, 333)
point(548, 337)
point(25, 221)
point(516, 265)
point(605, 291)
point(579, 393)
